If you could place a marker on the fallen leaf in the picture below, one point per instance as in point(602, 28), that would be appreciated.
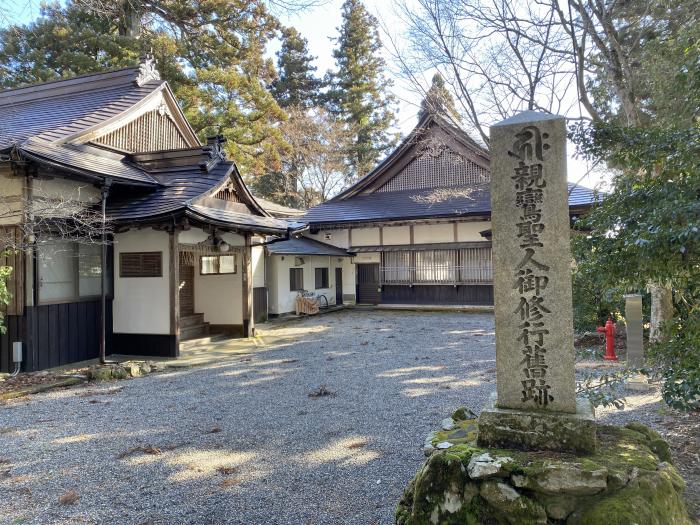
point(69, 498)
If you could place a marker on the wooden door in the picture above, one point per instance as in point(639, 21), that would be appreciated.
point(338, 286)
point(368, 284)
point(186, 289)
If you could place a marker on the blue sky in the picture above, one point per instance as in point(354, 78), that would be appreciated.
point(319, 25)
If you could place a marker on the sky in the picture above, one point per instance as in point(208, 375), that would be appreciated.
point(319, 25)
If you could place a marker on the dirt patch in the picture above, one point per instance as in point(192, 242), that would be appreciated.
point(29, 380)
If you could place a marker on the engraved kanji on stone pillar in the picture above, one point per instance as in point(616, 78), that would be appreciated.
point(532, 264)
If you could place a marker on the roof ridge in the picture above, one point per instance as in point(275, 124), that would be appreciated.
point(112, 76)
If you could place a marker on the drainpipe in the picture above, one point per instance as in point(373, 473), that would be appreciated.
point(103, 280)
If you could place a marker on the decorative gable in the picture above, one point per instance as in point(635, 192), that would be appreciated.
point(154, 130)
point(437, 170)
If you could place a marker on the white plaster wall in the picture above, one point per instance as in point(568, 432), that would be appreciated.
point(219, 297)
point(348, 280)
point(396, 235)
point(365, 236)
point(66, 189)
point(469, 231)
point(339, 238)
point(280, 298)
point(430, 233)
point(142, 304)
point(11, 187)
point(258, 262)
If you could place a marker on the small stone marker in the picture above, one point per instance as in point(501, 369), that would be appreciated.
point(536, 405)
point(532, 264)
point(633, 320)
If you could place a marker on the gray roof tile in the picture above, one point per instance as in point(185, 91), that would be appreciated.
point(417, 204)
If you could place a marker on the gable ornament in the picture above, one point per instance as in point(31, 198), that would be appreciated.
point(147, 70)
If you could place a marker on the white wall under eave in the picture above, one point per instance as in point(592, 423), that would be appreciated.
point(365, 236)
point(393, 235)
point(430, 233)
point(142, 304)
point(220, 297)
point(281, 299)
point(339, 238)
point(469, 231)
point(258, 263)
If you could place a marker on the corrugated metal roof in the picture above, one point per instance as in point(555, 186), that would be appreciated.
point(419, 204)
point(305, 246)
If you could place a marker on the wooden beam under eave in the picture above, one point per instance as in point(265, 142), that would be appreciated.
point(174, 259)
point(247, 289)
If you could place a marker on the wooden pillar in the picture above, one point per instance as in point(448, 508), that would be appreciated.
point(247, 289)
point(174, 258)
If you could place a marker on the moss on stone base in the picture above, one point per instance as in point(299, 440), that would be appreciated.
point(627, 480)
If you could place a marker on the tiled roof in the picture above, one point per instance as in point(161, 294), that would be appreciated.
point(419, 204)
point(55, 110)
point(175, 192)
point(253, 222)
point(88, 160)
point(304, 246)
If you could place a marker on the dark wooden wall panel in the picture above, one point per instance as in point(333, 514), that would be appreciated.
point(54, 335)
point(481, 295)
point(260, 304)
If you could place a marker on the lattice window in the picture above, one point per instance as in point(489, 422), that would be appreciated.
point(152, 131)
point(435, 171)
point(459, 266)
point(141, 264)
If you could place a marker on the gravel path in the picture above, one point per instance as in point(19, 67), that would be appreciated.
point(242, 441)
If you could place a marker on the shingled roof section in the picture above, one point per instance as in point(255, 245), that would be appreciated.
point(55, 110)
point(421, 204)
point(305, 246)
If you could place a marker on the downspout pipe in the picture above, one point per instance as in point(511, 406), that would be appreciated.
point(103, 281)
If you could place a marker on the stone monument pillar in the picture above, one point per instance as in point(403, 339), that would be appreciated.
point(633, 322)
point(536, 405)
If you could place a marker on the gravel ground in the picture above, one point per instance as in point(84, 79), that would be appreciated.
point(242, 441)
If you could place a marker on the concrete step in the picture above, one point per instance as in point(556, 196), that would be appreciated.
point(191, 320)
point(196, 342)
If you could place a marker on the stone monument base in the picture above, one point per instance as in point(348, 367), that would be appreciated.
point(627, 480)
point(536, 430)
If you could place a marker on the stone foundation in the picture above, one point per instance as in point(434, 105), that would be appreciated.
point(629, 479)
point(532, 430)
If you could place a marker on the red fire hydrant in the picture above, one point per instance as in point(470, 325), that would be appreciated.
point(609, 331)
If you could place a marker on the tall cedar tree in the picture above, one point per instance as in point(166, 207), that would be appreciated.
point(211, 52)
point(296, 90)
point(297, 84)
point(358, 89)
point(438, 101)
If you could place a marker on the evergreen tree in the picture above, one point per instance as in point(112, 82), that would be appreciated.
point(296, 86)
point(439, 101)
point(358, 93)
point(211, 51)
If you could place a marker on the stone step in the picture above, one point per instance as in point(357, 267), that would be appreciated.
point(191, 320)
point(194, 331)
point(204, 341)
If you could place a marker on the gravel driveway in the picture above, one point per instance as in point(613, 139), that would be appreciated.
point(242, 441)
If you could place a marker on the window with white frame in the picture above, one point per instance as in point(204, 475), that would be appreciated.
point(217, 264)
